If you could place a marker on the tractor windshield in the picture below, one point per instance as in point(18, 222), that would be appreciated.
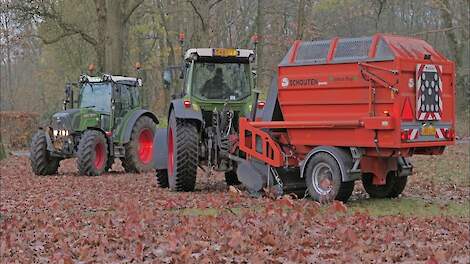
point(227, 81)
point(96, 96)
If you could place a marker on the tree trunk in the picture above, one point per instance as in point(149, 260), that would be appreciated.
point(114, 35)
point(454, 46)
point(100, 47)
point(300, 20)
point(260, 45)
point(3, 152)
point(456, 51)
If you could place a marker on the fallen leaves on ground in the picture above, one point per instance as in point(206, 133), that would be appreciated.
point(119, 217)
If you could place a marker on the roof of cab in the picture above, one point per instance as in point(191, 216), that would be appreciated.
point(379, 47)
point(208, 52)
point(133, 81)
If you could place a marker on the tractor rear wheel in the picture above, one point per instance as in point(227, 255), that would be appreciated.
point(324, 180)
point(393, 187)
point(42, 162)
point(92, 155)
point(162, 178)
point(231, 178)
point(183, 142)
point(138, 156)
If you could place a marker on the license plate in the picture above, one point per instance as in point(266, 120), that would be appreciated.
point(225, 52)
point(428, 131)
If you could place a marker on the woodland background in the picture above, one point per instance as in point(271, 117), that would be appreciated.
point(120, 217)
point(46, 43)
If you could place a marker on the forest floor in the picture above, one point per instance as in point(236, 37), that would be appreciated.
point(119, 217)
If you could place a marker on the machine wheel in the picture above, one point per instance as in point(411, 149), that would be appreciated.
point(92, 155)
point(231, 178)
point(162, 178)
point(183, 140)
point(324, 181)
point(393, 187)
point(138, 156)
point(41, 161)
point(400, 184)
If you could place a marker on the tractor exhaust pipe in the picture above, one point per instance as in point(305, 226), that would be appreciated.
point(254, 105)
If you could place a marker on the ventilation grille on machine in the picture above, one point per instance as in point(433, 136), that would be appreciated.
point(313, 51)
point(352, 49)
point(347, 50)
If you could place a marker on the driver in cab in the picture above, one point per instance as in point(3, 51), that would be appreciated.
point(215, 88)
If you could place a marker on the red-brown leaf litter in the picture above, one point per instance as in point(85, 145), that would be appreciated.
point(126, 218)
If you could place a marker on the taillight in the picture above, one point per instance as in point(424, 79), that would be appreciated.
point(449, 133)
point(405, 135)
point(187, 103)
point(261, 104)
point(407, 111)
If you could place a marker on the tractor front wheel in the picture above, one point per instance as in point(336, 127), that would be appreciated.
point(393, 187)
point(92, 156)
point(42, 162)
point(138, 157)
point(183, 142)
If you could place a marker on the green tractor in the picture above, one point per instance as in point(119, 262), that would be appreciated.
point(217, 89)
point(109, 122)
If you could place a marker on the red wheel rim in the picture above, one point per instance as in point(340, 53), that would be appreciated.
point(145, 146)
point(99, 155)
point(170, 152)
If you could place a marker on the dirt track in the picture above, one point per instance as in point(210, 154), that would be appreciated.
point(122, 217)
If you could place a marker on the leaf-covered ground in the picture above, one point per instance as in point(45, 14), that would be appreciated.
point(122, 217)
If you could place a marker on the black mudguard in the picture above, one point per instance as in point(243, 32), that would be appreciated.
point(131, 121)
point(184, 112)
point(160, 149)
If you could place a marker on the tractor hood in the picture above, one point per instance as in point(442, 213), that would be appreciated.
point(75, 119)
point(65, 119)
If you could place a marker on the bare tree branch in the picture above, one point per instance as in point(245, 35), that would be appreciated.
point(52, 40)
point(203, 24)
point(439, 30)
point(136, 5)
point(214, 4)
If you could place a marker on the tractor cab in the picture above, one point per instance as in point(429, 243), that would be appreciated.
point(102, 101)
point(214, 77)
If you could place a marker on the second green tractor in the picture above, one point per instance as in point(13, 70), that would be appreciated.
point(107, 121)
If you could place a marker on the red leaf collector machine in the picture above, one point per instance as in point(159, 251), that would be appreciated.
point(349, 109)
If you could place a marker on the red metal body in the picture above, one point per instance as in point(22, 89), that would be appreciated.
point(335, 95)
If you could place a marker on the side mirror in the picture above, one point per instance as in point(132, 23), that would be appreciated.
point(167, 78)
point(68, 96)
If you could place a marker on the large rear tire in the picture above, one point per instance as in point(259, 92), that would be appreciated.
point(42, 162)
point(138, 156)
point(162, 178)
point(324, 180)
point(183, 142)
point(92, 156)
point(393, 187)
